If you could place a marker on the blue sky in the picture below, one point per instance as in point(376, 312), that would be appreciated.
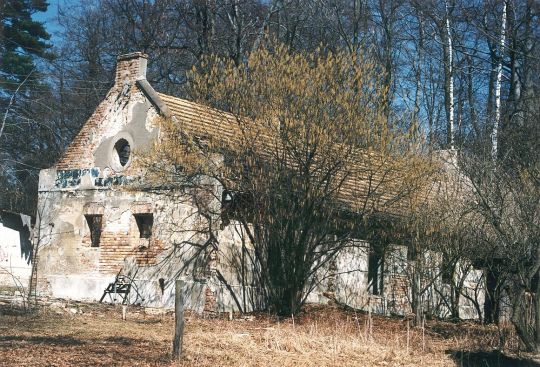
point(50, 17)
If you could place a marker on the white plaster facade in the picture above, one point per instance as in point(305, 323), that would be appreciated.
point(15, 252)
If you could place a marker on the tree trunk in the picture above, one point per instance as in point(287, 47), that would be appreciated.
point(519, 319)
point(496, 122)
point(448, 51)
point(418, 71)
point(471, 100)
point(491, 303)
point(416, 299)
point(514, 92)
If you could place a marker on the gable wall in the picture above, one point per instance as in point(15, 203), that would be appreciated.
point(111, 111)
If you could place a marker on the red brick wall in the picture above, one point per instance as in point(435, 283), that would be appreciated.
point(114, 247)
point(80, 152)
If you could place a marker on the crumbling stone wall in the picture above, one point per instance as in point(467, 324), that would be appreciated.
point(88, 180)
point(347, 283)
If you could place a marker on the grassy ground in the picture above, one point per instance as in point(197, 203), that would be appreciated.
point(95, 335)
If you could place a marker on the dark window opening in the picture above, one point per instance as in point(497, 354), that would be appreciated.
point(447, 270)
point(534, 283)
point(375, 272)
point(123, 150)
point(144, 223)
point(411, 253)
point(236, 206)
point(94, 225)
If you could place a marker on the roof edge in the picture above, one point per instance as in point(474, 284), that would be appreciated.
point(153, 96)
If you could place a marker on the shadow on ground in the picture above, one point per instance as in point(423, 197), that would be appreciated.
point(50, 340)
point(13, 311)
point(489, 359)
point(65, 340)
point(70, 351)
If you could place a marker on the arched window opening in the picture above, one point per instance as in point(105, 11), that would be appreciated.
point(122, 151)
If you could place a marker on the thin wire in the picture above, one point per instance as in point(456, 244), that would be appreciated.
point(46, 85)
point(56, 77)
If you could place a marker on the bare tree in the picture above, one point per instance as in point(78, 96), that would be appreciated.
point(508, 202)
point(308, 157)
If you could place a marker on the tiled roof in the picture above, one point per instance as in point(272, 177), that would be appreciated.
point(373, 178)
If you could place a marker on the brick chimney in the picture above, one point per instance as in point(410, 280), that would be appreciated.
point(130, 67)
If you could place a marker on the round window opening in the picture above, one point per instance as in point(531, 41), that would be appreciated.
point(122, 151)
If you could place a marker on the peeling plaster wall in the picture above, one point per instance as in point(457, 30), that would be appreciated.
point(346, 280)
point(88, 181)
point(396, 281)
point(69, 267)
point(473, 290)
point(352, 276)
point(350, 285)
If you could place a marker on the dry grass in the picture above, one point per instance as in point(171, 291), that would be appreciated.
point(320, 336)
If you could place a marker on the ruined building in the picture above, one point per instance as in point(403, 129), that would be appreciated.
point(92, 227)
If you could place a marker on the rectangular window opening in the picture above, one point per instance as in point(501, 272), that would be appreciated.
point(145, 222)
point(94, 222)
point(375, 272)
point(236, 206)
point(447, 270)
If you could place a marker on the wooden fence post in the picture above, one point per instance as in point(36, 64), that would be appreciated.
point(179, 319)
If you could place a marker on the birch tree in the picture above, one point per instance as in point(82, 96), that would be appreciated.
point(448, 60)
point(499, 72)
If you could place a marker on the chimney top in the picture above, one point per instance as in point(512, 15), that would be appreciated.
point(131, 67)
point(132, 55)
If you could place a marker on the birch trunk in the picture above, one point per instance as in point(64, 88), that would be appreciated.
point(470, 95)
point(496, 122)
point(449, 83)
point(418, 73)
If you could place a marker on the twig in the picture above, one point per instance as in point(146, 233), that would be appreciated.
point(11, 102)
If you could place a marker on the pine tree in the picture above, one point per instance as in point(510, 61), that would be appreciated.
point(21, 39)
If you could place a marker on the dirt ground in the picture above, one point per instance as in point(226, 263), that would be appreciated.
point(78, 334)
